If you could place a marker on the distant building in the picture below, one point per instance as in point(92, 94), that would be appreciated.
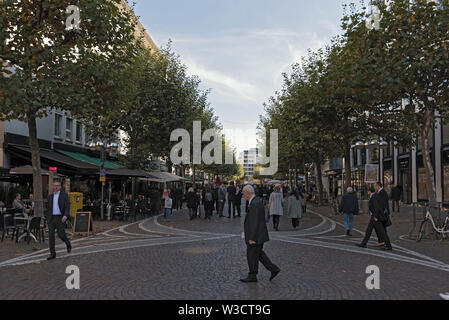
point(248, 159)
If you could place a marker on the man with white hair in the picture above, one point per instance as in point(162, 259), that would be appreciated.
point(256, 234)
point(349, 206)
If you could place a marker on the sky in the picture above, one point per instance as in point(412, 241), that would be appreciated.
point(240, 48)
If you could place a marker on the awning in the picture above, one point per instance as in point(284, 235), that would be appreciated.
point(91, 160)
point(164, 177)
point(27, 170)
point(54, 159)
point(124, 172)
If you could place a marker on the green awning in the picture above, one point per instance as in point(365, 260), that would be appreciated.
point(95, 161)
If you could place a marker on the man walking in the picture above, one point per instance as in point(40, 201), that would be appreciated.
point(238, 200)
point(376, 222)
point(349, 206)
point(385, 207)
point(256, 234)
point(57, 215)
point(396, 196)
point(231, 199)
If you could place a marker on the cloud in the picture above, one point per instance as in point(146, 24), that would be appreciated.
point(243, 67)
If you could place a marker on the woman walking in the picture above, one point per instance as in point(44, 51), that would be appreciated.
point(294, 210)
point(208, 202)
point(276, 206)
point(192, 203)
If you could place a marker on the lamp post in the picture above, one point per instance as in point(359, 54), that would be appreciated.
point(103, 148)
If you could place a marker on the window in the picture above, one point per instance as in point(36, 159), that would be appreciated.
point(68, 129)
point(79, 132)
point(446, 134)
point(58, 125)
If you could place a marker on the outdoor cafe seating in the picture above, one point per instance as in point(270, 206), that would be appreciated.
point(15, 223)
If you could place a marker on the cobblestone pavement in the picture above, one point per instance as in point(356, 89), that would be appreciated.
point(202, 259)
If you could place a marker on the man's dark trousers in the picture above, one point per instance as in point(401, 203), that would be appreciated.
point(254, 254)
point(55, 222)
point(380, 231)
point(396, 205)
point(231, 204)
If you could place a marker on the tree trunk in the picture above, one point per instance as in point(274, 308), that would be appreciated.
point(430, 173)
point(320, 182)
point(348, 182)
point(36, 163)
point(290, 176)
point(296, 177)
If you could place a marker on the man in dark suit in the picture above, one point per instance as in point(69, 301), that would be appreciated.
point(57, 215)
point(377, 221)
point(256, 234)
point(383, 197)
point(231, 198)
point(396, 196)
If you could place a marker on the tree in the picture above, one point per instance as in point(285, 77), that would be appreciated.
point(406, 58)
point(45, 66)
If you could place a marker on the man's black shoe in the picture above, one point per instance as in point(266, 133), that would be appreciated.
point(51, 257)
point(387, 248)
point(69, 248)
point(360, 245)
point(274, 274)
point(247, 280)
point(347, 232)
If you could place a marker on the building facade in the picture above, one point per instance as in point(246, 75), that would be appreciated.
point(403, 166)
point(248, 159)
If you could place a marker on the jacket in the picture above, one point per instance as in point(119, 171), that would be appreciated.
point(192, 200)
point(396, 194)
point(231, 193)
point(349, 204)
point(63, 203)
point(222, 194)
point(255, 226)
point(294, 207)
point(383, 198)
point(376, 209)
point(276, 204)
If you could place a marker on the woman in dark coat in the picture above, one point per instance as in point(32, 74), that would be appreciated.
point(192, 203)
point(208, 202)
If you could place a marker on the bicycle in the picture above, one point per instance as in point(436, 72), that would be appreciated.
point(443, 230)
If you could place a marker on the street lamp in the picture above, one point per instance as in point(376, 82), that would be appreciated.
point(103, 148)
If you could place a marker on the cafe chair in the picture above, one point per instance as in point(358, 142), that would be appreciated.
point(36, 228)
point(8, 225)
point(19, 225)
